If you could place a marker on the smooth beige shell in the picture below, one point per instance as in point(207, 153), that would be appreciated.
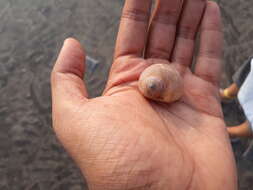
point(161, 82)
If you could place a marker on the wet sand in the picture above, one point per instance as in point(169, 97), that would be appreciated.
point(31, 34)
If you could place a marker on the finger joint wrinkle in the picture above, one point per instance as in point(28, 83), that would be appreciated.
point(186, 32)
point(167, 19)
point(136, 15)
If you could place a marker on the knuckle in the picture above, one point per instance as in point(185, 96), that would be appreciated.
point(168, 18)
point(182, 59)
point(210, 78)
point(186, 32)
point(158, 53)
point(136, 15)
point(210, 54)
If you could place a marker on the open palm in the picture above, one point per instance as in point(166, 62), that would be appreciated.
point(122, 140)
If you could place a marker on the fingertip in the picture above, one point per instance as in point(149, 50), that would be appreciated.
point(212, 7)
point(212, 17)
point(76, 46)
point(71, 58)
point(73, 42)
point(69, 39)
point(212, 4)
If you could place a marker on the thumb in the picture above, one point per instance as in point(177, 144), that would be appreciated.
point(67, 76)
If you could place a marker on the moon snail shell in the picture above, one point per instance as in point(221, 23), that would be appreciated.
point(161, 82)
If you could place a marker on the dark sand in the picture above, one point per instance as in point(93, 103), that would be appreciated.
point(31, 34)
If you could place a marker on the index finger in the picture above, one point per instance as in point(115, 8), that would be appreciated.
point(133, 28)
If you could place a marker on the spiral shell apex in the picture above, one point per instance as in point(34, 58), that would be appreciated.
point(161, 82)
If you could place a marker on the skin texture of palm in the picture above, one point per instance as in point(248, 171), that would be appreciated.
point(121, 140)
point(128, 141)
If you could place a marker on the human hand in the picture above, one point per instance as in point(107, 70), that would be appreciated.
point(122, 140)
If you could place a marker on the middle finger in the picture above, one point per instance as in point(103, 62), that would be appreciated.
point(163, 28)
